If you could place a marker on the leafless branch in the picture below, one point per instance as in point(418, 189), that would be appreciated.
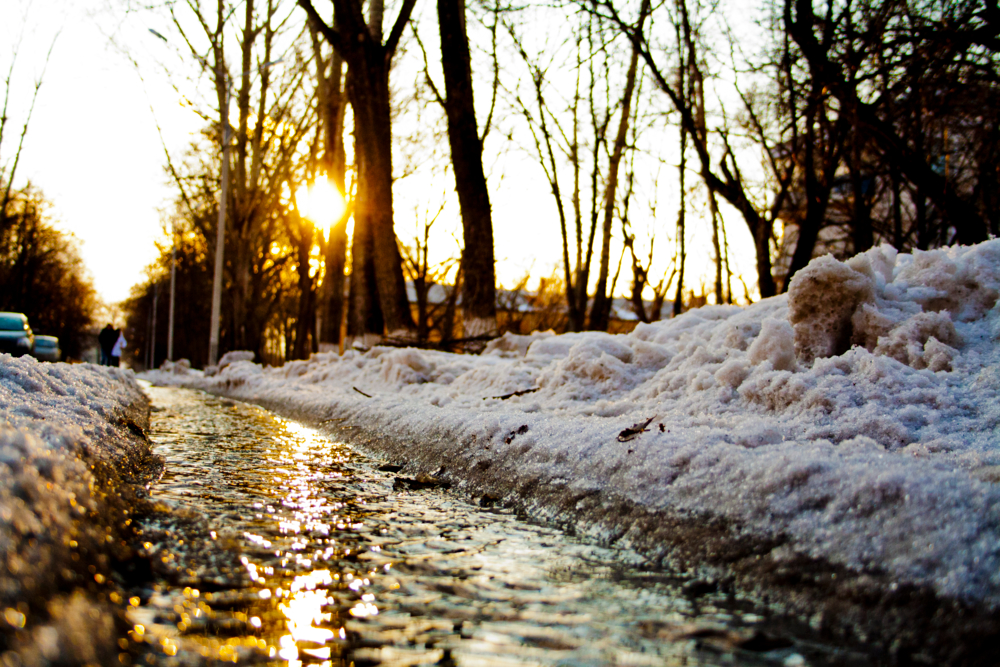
point(27, 121)
point(427, 68)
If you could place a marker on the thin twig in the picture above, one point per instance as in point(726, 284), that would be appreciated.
point(520, 392)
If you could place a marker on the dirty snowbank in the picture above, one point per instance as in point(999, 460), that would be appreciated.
point(73, 457)
point(851, 423)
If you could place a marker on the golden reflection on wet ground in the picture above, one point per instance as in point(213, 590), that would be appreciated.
point(278, 546)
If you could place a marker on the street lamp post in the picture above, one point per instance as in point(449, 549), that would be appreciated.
point(173, 272)
point(151, 359)
point(220, 236)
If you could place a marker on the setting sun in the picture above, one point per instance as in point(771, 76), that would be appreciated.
point(320, 203)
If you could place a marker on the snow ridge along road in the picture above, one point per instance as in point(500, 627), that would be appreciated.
point(74, 466)
point(834, 450)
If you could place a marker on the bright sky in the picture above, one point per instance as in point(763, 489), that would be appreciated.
point(93, 146)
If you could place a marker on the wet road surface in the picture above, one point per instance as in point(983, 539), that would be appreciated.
point(275, 545)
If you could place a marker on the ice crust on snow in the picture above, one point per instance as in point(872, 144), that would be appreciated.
point(71, 447)
point(855, 417)
point(227, 359)
point(73, 409)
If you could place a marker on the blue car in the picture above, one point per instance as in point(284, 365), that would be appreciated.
point(47, 348)
point(16, 337)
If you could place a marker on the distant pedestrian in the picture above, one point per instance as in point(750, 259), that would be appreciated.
point(116, 351)
point(106, 341)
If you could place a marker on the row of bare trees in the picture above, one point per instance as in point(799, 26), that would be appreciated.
point(290, 130)
point(379, 302)
point(42, 274)
point(876, 120)
point(653, 126)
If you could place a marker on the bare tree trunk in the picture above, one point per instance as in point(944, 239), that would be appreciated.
point(369, 61)
point(421, 288)
point(373, 209)
point(713, 207)
point(698, 89)
point(681, 224)
point(576, 292)
point(897, 208)
point(305, 322)
point(863, 235)
point(817, 186)
point(365, 325)
point(923, 232)
point(332, 101)
point(479, 287)
point(599, 126)
point(686, 51)
point(243, 218)
point(601, 309)
point(729, 271)
point(451, 307)
point(331, 309)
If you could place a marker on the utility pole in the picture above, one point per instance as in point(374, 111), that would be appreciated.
point(220, 236)
point(173, 272)
point(151, 360)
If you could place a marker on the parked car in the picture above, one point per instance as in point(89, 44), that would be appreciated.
point(47, 348)
point(16, 337)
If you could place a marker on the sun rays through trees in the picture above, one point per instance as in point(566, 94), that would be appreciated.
point(657, 156)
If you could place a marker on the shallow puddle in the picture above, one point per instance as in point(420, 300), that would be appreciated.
point(276, 545)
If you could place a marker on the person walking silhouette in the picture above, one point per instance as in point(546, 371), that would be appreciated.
point(118, 348)
point(106, 341)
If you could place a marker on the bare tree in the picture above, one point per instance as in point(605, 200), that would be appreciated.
point(7, 175)
point(369, 59)
point(640, 281)
point(302, 234)
point(641, 270)
point(331, 101)
point(479, 286)
point(931, 48)
point(540, 119)
point(795, 123)
point(272, 121)
point(576, 140)
point(601, 309)
point(726, 179)
point(433, 317)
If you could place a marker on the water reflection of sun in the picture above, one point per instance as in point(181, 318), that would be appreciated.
point(303, 607)
point(305, 461)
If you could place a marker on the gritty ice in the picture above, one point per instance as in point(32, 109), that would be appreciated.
point(74, 460)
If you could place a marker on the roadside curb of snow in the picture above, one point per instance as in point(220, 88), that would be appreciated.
point(908, 621)
point(75, 463)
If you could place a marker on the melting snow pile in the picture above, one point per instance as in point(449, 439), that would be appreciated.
point(72, 454)
point(854, 418)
